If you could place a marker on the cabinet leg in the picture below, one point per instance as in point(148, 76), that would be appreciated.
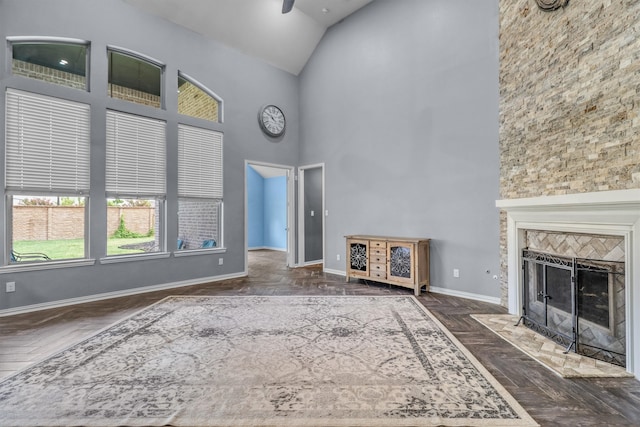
point(416, 290)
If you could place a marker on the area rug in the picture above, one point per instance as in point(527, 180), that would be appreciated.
point(546, 351)
point(264, 361)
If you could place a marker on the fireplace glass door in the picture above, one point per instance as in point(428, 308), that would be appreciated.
point(601, 310)
point(580, 303)
point(548, 289)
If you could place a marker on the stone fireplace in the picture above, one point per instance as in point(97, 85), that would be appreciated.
point(588, 239)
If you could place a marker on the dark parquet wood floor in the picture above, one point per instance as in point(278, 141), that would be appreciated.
point(551, 400)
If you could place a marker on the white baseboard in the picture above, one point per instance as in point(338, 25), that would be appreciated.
point(437, 290)
point(173, 285)
point(337, 272)
point(307, 264)
point(116, 294)
point(467, 295)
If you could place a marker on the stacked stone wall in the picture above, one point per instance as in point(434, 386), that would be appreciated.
point(569, 100)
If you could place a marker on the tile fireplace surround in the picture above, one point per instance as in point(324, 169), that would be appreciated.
point(614, 213)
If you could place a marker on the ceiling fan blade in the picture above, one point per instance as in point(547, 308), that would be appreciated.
point(287, 5)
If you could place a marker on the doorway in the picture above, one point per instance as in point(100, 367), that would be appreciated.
point(311, 215)
point(269, 215)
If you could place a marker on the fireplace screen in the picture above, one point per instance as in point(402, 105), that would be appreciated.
point(577, 302)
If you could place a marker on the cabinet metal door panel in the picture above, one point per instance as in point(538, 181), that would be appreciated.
point(401, 262)
point(358, 257)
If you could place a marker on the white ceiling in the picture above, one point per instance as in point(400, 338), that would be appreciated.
point(258, 27)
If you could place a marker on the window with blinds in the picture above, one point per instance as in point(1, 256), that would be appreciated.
point(47, 177)
point(200, 188)
point(199, 162)
point(136, 155)
point(135, 182)
point(47, 144)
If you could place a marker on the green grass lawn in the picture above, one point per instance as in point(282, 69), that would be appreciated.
point(69, 249)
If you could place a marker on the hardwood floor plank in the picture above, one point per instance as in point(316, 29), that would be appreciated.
point(551, 400)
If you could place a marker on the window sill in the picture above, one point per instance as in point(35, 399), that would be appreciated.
point(35, 266)
point(130, 258)
point(192, 252)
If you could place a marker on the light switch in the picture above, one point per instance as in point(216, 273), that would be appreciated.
point(313, 213)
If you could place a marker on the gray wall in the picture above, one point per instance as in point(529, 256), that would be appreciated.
point(244, 83)
point(400, 102)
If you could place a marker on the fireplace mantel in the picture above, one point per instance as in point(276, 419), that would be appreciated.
point(605, 212)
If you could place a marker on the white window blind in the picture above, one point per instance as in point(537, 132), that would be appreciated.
point(199, 163)
point(47, 144)
point(136, 161)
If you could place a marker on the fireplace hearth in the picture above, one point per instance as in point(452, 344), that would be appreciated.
point(575, 302)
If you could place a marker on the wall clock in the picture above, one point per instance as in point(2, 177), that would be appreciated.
point(272, 121)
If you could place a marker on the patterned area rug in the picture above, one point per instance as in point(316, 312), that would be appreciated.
point(264, 361)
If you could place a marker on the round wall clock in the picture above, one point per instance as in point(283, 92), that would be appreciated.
point(272, 121)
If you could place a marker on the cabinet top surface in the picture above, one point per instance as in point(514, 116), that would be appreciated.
point(389, 238)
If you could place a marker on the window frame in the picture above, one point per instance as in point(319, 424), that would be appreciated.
point(102, 103)
point(144, 58)
point(162, 229)
point(206, 90)
point(159, 197)
point(11, 40)
point(214, 193)
point(70, 187)
point(35, 265)
point(220, 247)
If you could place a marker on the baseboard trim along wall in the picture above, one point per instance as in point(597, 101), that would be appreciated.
point(117, 294)
point(164, 286)
point(438, 290)
point(467, 295)
point(336, 272)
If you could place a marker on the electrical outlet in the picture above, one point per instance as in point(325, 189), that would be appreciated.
point(220, 261)
point(11, 286)
point(456, 272)
point(338, 257)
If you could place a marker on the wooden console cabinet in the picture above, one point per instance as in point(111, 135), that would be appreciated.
point(395, 260)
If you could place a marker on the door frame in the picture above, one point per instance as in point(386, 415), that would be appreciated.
point(290, 174)
point(301, 251)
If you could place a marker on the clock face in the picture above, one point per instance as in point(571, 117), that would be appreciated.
point(272, 120)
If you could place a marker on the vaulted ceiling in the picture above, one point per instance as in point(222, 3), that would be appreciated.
point(258, 27)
